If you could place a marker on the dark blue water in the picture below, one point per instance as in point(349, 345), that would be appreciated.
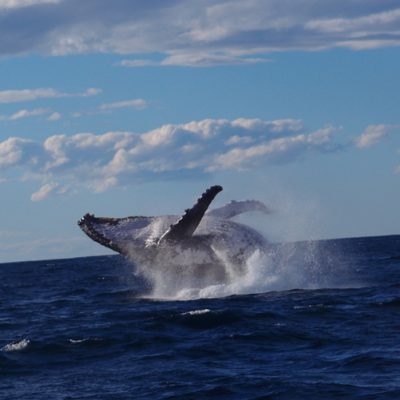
point(327, 326)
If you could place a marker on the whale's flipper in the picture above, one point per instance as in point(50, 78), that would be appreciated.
point(234, 208)
point(116, 233)
point(188, 223)
point(90, 225)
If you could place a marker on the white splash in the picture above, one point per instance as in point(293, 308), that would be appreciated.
point(304, 265)
point(77, 341)
point(16, 346)
point(182, 284)
point(197, 312)
point(257, 277)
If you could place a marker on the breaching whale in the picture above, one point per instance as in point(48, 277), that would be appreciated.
point(197, 244)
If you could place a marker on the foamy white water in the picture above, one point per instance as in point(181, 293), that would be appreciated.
point(283, 268)
point(16, 346)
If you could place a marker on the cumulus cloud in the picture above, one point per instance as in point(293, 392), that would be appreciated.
point(63, 163)
point(201, 33)
point(374, 134)
point(281, 149)
point(18, 152)
point(16, 96)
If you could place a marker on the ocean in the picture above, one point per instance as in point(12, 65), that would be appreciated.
point(312, 320)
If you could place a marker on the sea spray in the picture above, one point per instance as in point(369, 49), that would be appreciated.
point(301, 265)
point(173, 269)
point(16, 346)
point(257, 275)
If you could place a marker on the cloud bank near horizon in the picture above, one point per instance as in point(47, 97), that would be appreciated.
point(62, 164)
point(205, 33)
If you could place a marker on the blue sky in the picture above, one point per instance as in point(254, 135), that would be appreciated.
point(135, 107)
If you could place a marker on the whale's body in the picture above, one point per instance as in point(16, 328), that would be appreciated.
point(198, 244)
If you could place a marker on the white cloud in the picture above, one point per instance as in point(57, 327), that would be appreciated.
point(44, 191)
point(194, 60)
point(281, 149)
point(36, 112)
point(378, 29)
point(376, 21)
point(15, 96)
point(137, 104)
point(17, 152)
point(28, 113)
point(114, 159)
point(196, 33)
point(236, 139)
point(55, 116)
point(88, 92)
point(103, 185)
point(10, 4)
point(373, 134)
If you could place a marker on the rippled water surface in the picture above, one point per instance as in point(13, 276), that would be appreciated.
point(311, 320)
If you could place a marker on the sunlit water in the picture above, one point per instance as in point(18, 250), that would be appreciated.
point(302, 321)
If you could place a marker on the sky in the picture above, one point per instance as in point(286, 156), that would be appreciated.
point(136, 107)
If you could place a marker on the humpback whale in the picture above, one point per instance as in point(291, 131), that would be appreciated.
point(199, 244)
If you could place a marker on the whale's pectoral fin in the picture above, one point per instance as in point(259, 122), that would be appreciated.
point(90, 225)
point(188, 223)
point(234, 208)
point(114, 233)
